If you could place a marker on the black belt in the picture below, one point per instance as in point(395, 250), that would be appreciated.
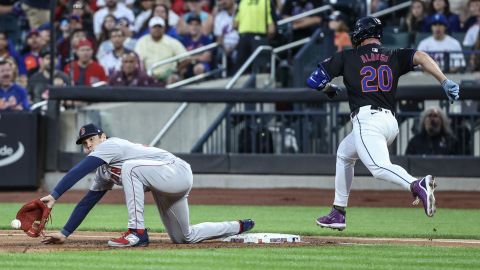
point(373, 108)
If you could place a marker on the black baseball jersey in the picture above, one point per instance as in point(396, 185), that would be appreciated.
point(370, 73)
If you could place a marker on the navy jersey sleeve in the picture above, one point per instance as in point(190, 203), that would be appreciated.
point(334, 65)
point(405, 60)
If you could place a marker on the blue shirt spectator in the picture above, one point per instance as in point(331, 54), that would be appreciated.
point(13, 97)
point(200, 63)
point(442, 7)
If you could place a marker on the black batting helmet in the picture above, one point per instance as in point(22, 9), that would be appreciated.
point(366, 27)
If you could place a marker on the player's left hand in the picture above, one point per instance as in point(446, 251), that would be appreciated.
point(54, 238)
point(48, 200)
point(452, 89)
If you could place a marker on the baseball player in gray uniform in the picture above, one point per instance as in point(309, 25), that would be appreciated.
point(137, 168)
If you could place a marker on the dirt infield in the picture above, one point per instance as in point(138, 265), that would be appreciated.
point(306, 197)
point(16, 241)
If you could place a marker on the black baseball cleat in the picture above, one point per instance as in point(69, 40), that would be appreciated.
point(246, 225)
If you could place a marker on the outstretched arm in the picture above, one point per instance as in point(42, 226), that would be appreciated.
point(81, 211)
point(429, 65)
point(76, 218)
point(85, 166)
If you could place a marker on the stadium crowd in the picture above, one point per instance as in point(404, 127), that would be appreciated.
point(117, 42)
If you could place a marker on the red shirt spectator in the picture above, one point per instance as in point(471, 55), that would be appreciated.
point(85, 70)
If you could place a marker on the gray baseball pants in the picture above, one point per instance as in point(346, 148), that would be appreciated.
point(170, 183)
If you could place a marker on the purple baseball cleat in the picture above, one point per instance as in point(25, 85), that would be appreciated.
point(423, 190)
point(335, 220)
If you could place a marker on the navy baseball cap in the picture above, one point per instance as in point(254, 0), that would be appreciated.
point(439, 19)
point(87, 131)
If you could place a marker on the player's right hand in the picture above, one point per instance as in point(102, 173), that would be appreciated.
point(452, 89)
point(54, 238)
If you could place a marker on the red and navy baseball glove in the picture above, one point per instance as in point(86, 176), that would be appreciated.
point(33, 217)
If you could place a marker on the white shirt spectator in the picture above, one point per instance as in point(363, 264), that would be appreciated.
point(471, 36)
point(110, 62)
point(143, 16)
point(435, 49)
point(223, 26)
point(106, 47)
point(120, 11)
point(101, 3)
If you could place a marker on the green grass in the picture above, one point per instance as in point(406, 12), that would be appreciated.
point(367, 222)
point(326, 257)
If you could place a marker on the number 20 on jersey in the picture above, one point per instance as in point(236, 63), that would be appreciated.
point(375, 79)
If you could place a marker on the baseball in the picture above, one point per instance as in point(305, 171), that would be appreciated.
point(16, 224)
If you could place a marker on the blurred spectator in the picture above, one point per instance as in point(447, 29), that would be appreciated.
point(472, 25)
point(7, 51)
point(199, 63)
point(338, 24)
point(439, 43)
point(13, 97)
point(9, 11)
point(38, 12)
point(31, 53)
point(473, 13)
point(44, 32)
point(471, 36)
point(111, 60)
point(180, 7)
point(146, 12)
point(306, 26)
point(435, 137)
point(85, 70)
point(443, 7)
point(377, 5)
point(253, 32)
point(84, 14)
point(162, 11)
point(173, 17)
point(156, 47)
point(131, 74)
point(66, 48)
point(128, 3)
point(103, 40)
point(474, 61)
point(415, 21)
point(195, 9)
point(124, 26)
point(118, 10)
point(37, 83)
point(224, 30)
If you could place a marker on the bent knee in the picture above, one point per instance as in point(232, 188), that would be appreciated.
point(182, 239)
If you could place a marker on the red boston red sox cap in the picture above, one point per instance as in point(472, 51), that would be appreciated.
point(87, 131)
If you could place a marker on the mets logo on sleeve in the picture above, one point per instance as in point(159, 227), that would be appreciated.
point(10, 151)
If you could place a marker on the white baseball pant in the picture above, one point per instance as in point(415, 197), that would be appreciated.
point(170, 183)
point(373, 131)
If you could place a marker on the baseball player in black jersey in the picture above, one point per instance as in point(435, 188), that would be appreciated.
point(370, 73)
